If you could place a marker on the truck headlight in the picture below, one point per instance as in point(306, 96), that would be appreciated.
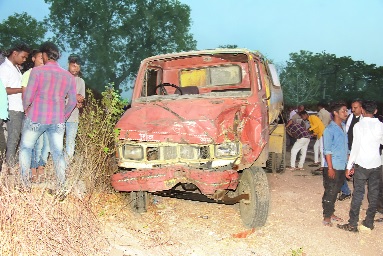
point(229, 149)
point(132, 152)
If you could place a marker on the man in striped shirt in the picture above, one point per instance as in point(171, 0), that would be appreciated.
point(44, 104)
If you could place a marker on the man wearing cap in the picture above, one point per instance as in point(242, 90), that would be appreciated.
point(71, 125)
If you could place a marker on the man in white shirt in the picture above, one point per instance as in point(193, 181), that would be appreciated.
point(10, 75)
point(364, 163)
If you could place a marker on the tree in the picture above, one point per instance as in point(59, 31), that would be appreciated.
point(21, 28)
point(309, 78)
point(114, 36)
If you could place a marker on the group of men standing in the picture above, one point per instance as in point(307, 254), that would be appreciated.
point(350, 146)
point(47, 106)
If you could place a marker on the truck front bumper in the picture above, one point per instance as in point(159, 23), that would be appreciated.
point(158, 179)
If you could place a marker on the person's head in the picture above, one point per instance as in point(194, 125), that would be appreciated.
point(74, 64)
point(35, 59)
point(356, 107)
point(304, 115)
point(18, 54)
point(50, 52)
point(339, 110)
point(369, 108)
point(301, 108)
point(321, 105)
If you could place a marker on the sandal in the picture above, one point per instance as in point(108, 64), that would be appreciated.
point(327, 223)
point(299, 169)
point(348, 227)
point(336, 218)
point(317, 172)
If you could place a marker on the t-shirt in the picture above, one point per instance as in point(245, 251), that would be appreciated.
point(324, 116)
point(25, 78)
point(3, 103)
point(316, 126)
point(10, 75)
point(80, 89)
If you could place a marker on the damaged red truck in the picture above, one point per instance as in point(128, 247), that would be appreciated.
point(206, 120)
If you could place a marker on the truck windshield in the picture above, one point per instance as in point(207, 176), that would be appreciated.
point(225, 73)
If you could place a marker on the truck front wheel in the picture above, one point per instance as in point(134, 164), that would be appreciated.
point(255, 209)
point(139, 201)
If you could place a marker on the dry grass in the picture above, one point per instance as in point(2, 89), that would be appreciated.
point(35, 223)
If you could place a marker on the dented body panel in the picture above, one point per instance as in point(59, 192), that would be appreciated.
point(213, 122)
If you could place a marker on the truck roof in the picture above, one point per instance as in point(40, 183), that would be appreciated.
point(205, 52)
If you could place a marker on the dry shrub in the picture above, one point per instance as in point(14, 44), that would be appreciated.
point(36, 224)
point(95, 145)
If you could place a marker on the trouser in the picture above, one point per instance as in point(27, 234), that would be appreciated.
point(70, 138)
point(380, 200)
point(318, 151)
point(41, 151)
point(14, 126)
point(361, 176)
point(345, 189)
point(31, 132)
point(3, 144)
point(300, 145)
point(331, 190)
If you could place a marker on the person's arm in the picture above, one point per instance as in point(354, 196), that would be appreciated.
point(80, 93)
point(313, 122)
point(72, 100)
point(327, 151)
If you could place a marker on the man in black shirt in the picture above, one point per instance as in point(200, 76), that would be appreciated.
point(352, 119)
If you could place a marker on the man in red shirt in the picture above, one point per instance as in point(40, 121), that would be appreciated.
point(44, 104)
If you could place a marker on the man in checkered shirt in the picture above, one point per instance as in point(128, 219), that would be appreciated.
point(302, 137)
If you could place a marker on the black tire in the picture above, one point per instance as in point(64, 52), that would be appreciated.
point(281, 157)
point(139, 201)
point(277, 161)
point(254, 211)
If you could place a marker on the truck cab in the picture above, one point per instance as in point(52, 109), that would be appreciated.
point(207, 119)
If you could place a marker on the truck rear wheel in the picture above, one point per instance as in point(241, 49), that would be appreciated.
point(255, 209)
point(277, 161)
point(139, 201)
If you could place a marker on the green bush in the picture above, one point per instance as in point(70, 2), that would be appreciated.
point(95, 147)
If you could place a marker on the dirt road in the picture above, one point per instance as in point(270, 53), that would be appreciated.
point(294, 226)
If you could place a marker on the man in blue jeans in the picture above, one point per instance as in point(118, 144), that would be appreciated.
point(44, 103)
point(364, 164)
point(71, 125)
point(336, 151)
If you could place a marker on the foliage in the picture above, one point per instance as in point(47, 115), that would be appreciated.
point(95, 148)
point(114, 36)
point(21, 28)
point(309, 78)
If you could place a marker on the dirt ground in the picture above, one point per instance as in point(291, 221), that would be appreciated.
point(294, 226)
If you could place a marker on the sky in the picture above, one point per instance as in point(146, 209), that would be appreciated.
point(274, 27)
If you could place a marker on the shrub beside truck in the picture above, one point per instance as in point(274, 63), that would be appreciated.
point(208, 121)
